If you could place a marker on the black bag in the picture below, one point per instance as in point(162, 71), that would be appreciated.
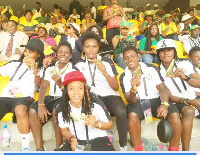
point(164, 131)
point(106, 47)
point(126, 42)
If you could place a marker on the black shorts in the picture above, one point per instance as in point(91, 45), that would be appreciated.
point(8, 104)
point(110, 33)
point(155, 104)
point(97, 144)
point(49, 101)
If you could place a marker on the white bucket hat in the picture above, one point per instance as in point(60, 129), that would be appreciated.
point(186, 17)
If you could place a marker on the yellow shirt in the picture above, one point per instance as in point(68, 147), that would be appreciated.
point(168, 29)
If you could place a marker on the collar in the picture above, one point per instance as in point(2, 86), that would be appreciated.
point(144, 69)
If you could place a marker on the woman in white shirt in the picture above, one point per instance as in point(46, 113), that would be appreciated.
point(83, 123)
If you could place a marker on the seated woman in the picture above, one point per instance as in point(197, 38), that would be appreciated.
point(29, 25)
point(49, 44)
point(180, 78)
point(83, 123)
point(147, 46)
point(87, 22)
point(18, 94)
point(120, 41)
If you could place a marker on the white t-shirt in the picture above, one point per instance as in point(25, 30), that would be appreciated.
point(47, 77)
point(93, 11)
point(77, 16)
point(152, 79)
point(187, 69)
point(97, 111)
point(102, 86)
point(26, 85)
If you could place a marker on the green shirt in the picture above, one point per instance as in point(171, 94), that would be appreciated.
point(118, 45)
point(43, 19)
point(143, 41)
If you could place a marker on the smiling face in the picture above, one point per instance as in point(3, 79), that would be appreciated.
point(64, 54)
point(12, 27)
point(31, 54)
point(91, 48)
point(42, 32)
point(28, 16)
point(75, 91)
point(131, 59)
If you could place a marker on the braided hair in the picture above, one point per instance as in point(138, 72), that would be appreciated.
point(148, 42)
point(87, 104)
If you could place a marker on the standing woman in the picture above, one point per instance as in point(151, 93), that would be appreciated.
point(18, 94)
point(113, 16)
point(147, 46)
point(82, 122)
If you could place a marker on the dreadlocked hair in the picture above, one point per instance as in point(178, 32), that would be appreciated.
point(148, 42)
point(87, 104)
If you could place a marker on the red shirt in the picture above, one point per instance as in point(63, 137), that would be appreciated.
point(115, 21)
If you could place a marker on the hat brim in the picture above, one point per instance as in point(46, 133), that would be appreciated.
point(158, 50)
point(31, 48)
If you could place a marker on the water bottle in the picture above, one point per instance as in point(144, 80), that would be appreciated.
point(5, 139)
point(110, 136)
point(149, 146)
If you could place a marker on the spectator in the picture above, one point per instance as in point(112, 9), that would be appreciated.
point(89, 21)
point(43, 18)
point(193, 39)
point(37, 10)
point(10, 48)
point(113, 16)
point(75, 4)
point(93, 10)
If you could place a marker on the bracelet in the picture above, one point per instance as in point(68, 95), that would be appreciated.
point(187, 78)
point(185, 101)
point(69, 140)
point(42, 104)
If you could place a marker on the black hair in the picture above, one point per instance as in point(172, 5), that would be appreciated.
point(55, 6)
point(8, 15)
point(175, 53)
point(65, 106)
point(38, 3)
point(189, 10)
point(39, 60)
point(148, 41)
point(90, 35)
point(66, 43)
point(98, 27)
point(13, 22)
point(28, 11)
point(92, 3)
point(193, 50)
point(127, 48)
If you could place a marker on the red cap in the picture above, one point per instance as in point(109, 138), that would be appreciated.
point(73, 76)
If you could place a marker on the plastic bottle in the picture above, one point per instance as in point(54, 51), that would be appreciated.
point(149, 146)
point(5, 139)
point(110, 136)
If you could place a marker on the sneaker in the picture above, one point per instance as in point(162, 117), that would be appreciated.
point(26, 149)
point(123, 148)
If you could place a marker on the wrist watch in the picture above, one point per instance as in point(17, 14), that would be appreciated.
point(165, 104)
point(187, 78)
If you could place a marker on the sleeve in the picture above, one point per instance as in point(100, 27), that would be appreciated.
point(188, 67)
point(101, 114)
point(61, 122)
point(186, 45)
point(4, 70)
point(121, 80)
point(142, 44)
point(47, 75)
